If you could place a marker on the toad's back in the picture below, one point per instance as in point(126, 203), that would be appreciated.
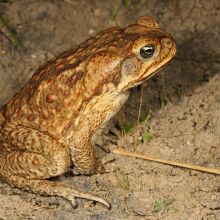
point(57, 91)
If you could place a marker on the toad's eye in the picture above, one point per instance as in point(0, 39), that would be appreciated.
point(147, 51)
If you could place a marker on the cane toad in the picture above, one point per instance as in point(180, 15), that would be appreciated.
point(48, 126)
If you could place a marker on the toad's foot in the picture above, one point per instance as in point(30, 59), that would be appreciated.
point(46, 187)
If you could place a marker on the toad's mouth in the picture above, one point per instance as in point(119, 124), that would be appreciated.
point(141, 80)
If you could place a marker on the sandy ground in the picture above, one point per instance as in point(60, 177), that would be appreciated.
point(181, 104)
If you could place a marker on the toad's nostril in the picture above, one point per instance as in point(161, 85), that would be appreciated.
point(167, 42)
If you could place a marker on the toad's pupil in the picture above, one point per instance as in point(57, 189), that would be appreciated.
point(147, 51)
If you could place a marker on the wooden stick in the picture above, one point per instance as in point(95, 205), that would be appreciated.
point(185, 165)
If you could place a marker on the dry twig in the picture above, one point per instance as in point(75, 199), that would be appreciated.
point(173, 163)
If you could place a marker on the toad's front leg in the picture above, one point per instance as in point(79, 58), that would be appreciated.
point(96, 113)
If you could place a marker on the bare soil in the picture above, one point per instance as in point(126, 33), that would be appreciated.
point(181, 107)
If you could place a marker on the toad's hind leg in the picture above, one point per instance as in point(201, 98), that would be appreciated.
point(28, 167)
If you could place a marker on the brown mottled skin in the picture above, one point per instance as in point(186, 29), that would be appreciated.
point(48, 126)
